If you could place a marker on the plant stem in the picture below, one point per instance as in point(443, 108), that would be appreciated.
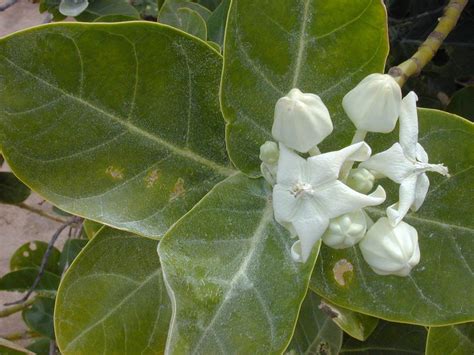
point(20, 335)
point(40, 212)
point(16, 308)
point(413, 66)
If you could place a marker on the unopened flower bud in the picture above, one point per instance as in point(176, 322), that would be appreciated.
point(269, 152)
point(72, 8)
point(361, 180)
point(301, 121)
point(391, 250)
point(269, 172)
point(374, 104)
point(346, 230)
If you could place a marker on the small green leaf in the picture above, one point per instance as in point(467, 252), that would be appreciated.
point(9, 348)
point(113, 298)
point(191, 22)
point(462, 103)
point(39, 317)
point(453, 340)
point(100, 8)
point(322, 47)
point(389, 338)
point(439, 290)
point(40, 346)
point(168, 13)
point(233, 283)
point(21, 280)
point(217, 21)
point(315, 332)
point(12, 190)
point(30, 255)
point(357, 325)
point(91, 228)
point(71, 249)
point(143, 111)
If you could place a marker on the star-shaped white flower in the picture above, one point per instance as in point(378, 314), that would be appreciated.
point(308, 193)
point(406, 163)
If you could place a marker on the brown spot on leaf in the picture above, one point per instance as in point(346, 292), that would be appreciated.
point(339, 269)
point(151, 178)
point(330, 311)
point(178, 189)
point(114, 172)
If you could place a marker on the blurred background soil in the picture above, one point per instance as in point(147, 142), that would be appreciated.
point(18, 226)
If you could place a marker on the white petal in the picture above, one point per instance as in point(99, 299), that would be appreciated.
point(284, 204)
point(310, 226)
point(291, 167)
point(326, 167)
point(337, 198)
point(422, 186)
point(407, 191)
point(392, 163)
point(409, 125)
point(421, 154)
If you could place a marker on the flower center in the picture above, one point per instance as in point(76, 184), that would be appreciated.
point(302, 189)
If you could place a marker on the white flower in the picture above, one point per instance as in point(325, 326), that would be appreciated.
point(361, 180)
point(308, 193)
point(406, 163)
point(73, 7)
point(301, 121)
point(346, 230)
point(374, 104)
point(391, 250)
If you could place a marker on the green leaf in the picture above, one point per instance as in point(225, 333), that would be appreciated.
point(9, 348)
point(357, 325)
point(113, 298)
point(12, 190)
point(91, 228)
point(228, 268)
point(210, 4)
point(274, 46)
point(115, 18)
point(128, 133)
point(71, 249)
point(439, 290)
point(315, 332)
point(452, 340)
point(216, 23)
point(462, 103)
point(30, 255)
point(168, 13)
point(21, 280)
point(191, 22)
point(389, 338)
point(40, 346)
point(39, 317)
point(100, 8)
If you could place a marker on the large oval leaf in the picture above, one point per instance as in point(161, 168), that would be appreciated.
point(231, 279)
point(452, 340)
point(273, 46)
point(439, 290)
point(113, 298)
point(118, 123)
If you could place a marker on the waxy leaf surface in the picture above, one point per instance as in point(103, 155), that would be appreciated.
point(230, 275)
point(439, 289)
point(113, 298)
point(453, 340)
point(322, 47)
point(119, 123)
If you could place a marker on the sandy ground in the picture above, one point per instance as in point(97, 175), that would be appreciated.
point(18, 226)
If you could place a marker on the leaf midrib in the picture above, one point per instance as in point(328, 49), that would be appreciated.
point(186, 153)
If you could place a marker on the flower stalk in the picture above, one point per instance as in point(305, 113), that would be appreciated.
point(413, 66)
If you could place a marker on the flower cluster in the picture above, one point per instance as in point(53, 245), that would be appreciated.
point(320, 196)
